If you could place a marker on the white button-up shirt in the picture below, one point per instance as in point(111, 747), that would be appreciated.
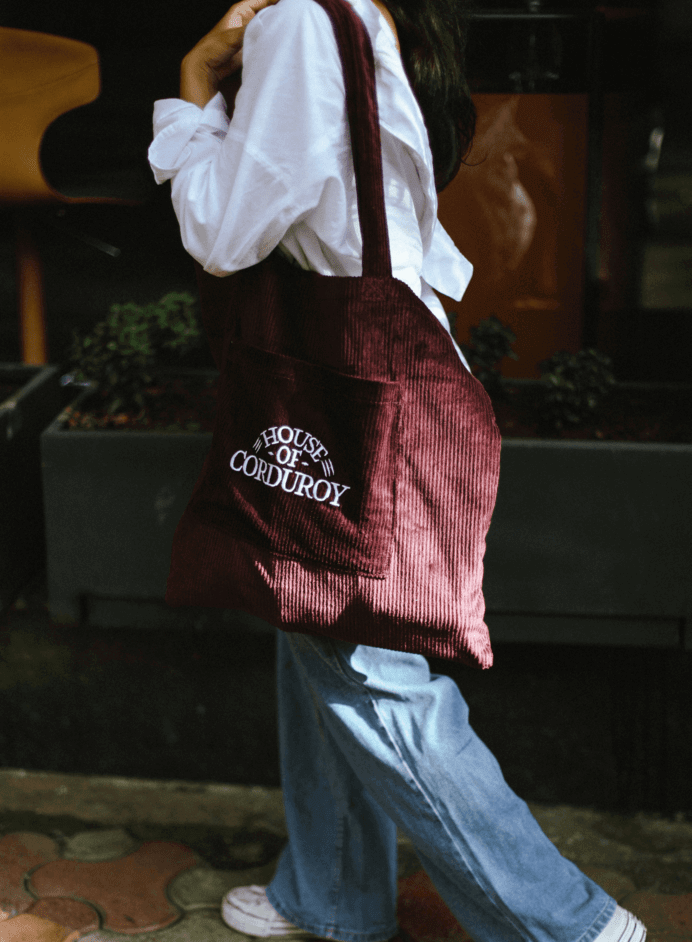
point(280, 172)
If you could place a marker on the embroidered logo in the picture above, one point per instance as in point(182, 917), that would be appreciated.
point(289, 447)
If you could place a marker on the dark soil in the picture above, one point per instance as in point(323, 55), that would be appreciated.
point(646, 414)
point(178, 404)
point(652, 414)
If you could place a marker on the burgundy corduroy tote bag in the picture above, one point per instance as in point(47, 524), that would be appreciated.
point(354, 464)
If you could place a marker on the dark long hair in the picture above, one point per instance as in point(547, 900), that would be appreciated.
point(432, 36)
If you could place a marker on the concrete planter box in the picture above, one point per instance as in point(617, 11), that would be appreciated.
point(591, 543)
point(113, 499)
point(36, 399)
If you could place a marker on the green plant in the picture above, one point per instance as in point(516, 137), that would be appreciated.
point(575, 386)
point(491, 341)
point(125, 352)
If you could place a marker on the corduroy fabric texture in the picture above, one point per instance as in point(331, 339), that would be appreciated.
point(355, 461)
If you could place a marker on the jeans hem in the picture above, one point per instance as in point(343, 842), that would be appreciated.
point(601, 921)
point(329, 932)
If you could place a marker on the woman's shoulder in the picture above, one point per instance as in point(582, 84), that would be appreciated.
point(292, 34)
point(292, 15)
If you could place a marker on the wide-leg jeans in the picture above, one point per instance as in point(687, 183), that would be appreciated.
point(370, 740)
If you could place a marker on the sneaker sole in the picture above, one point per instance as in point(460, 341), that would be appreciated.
point(247, 925)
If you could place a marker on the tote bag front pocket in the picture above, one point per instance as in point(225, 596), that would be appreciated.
point(303, 461)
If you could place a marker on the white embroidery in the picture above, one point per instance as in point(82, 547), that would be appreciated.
point(289, 447)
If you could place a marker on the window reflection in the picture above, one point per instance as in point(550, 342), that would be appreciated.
point(517, 211)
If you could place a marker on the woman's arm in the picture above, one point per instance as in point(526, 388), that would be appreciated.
point(217, 55)
point(239, 185)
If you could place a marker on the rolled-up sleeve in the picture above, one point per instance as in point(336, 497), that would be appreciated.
point(176, 122)
point(238, 186)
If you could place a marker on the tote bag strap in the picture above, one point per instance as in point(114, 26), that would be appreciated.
point(358, 62)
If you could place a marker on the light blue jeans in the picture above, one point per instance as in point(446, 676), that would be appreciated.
point(369, 740)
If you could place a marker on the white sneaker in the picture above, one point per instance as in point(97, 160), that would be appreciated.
point(247, 910)
point(623, 927)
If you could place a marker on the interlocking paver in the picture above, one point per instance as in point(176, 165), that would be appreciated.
point(665, 917)
point(130, 892)
point(615, 884)
point(204, 888)
point(423, 913)
point(27, 928)
point(99, 845)
point(202, 926)
point(20, 853)
point(71, 913)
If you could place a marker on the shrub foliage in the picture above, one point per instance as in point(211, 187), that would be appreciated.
point(126, 351)
point(575, 386)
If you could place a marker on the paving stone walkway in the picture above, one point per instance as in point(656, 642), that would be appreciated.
point(101, 859)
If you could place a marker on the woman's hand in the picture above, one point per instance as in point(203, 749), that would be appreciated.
point(218, 55)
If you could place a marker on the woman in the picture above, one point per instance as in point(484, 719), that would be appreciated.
point(370, 740)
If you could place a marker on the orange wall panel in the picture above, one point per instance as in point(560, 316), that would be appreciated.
point(517, 211)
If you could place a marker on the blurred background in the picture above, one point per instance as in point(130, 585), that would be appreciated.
point(584, 149)
point(590, 106)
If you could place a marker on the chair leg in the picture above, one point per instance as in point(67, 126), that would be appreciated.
point(32, 314)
